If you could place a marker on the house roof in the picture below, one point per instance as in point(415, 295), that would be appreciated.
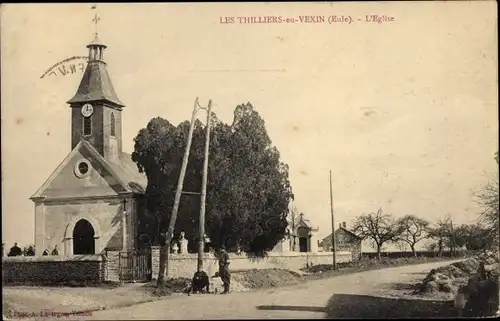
point(124, 171)
point(96, 86)
point(329, 237)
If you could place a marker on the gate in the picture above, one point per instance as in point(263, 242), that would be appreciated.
point(135, 266)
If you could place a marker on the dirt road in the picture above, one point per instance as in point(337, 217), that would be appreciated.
point(361, 295)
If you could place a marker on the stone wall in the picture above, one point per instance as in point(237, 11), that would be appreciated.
point(112, 265)
point(184, 265)
point(354, 248)
point(49, 270)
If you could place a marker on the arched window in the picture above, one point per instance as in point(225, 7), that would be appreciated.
point(87, 126)
point(112, 125)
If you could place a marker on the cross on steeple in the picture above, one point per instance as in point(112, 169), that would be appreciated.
point(96, 48)
point(96, 18)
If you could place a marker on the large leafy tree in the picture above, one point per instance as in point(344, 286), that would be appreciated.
point(248, 190)
point(248, 186)
point(158, 153)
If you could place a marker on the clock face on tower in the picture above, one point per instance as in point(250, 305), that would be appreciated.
point(87, 110)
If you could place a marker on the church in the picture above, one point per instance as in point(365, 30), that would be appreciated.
point(90, 203)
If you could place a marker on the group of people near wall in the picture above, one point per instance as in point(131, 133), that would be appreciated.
point(29, 251)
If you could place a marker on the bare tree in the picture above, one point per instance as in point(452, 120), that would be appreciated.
point(475, 237)
point(377, 227)
point(413, 230)
point(487, 198)
point(401, 245)
point(431, 247)
point(293, 221)
point(443, 233)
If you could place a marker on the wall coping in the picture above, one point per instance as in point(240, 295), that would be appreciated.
point(73, 258)
point(270, 254)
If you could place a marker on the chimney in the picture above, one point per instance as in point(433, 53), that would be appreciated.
point(340, 225)
point(343, 225)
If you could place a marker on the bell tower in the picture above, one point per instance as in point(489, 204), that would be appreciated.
point(96, 111)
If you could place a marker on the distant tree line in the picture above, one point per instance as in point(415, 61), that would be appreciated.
point(381, 228)
point(406, 254)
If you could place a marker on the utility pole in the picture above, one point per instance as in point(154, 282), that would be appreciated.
point(173, 218)
point(453, 244)
point(201, 241)
point(333, 225)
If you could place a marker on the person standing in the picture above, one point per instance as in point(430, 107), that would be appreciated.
point(207, 243)
point(30, 251)
point(224, 269)
point(15, 251)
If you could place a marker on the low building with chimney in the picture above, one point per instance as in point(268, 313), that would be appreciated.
point(345, 240)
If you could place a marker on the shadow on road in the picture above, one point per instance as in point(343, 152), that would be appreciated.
point(417, 273)
point(291, 308)
point(364, 306)
point(399, 286)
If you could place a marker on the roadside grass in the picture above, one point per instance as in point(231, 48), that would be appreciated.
point(322, 271)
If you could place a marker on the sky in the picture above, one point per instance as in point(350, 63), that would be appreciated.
point(403, 113)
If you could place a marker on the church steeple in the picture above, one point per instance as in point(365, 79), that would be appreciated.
point(96, 83)
point(96, 49)
point(96, 109)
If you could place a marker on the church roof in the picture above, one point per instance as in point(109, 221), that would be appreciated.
point(306, 222)
point(124, 171)
point(129, 173)
point(96, 85)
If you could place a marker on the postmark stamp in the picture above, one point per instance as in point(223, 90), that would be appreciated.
point(67, 66)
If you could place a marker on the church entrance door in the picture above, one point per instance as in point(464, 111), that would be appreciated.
point(83, 238)
point(302, 233)
point(302, 244)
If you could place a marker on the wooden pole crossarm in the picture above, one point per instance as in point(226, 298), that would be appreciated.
point(190, 193)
